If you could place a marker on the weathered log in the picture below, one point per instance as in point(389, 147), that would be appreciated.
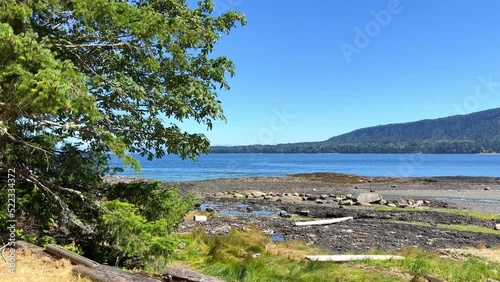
point(342, 258)
point(323, 221)
point(74, 258)
point(176, 273)
point(105, 273)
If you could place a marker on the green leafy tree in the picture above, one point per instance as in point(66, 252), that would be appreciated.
point(80, 79)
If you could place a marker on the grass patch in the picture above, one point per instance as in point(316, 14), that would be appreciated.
point(469, 228)
point(449, 211)
point(250, 256)
point(35, 267)
point(419, 263)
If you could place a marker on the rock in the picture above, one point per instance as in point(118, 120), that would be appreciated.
point(391, 205)
point(278, 194)
point(318, 201)
point(372, 190)
point(323, 197)
point(364, 204)
point(312, 198)
point(314, 189)
point(286, 194)
point(268, 197)
point(348, 196)
point(356, 187)
point(307, 195)
point(257, 194)
point(304, 213)
point(210, 209)
point(270, 194)
point(427, 202)
point(268, 231)
point(238, 195)
point(393, 186)
point(346, 203)
point(419, 203)
point(285, 214)
point(297, 194)
point(219, 194)
point(200, 218)
point(401, 203)
point(382, 202)
point(497, 226)
point(487, 188)
point(279, 200)
point(368, 197)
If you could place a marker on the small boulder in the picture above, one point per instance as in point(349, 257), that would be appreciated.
point(285, 214)
point(391, 205)
point(401, 203)
point(364, 204)
point(304, 212)
point(487, 188)
point(348, 196)
point(319, 201)
point(296, 194)
point(323, 197)
point(372, 190)
point(393, 186)
point(210, 209)
point(368, 198)
point(382, 202)
point(497, 226)
point(346, 203)
point(312, 198)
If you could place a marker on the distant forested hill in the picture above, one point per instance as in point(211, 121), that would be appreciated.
point(472, 133)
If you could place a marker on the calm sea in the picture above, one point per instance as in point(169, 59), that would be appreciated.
point(172, 168)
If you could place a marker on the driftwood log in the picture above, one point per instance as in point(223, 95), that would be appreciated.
point(105, 273)
point(323, 221)
point(176, 273)
point(74, 258)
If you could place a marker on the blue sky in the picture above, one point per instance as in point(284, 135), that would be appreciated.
point(310, 70)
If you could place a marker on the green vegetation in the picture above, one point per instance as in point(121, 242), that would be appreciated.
point(467, 134)
point(469, 228)
point(82, 80)
point(450, 211)
point(458, 227)
point(248, 255)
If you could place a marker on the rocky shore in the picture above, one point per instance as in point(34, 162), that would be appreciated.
point(388, 213)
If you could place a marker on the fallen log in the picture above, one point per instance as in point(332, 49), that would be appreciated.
point(74, 258)
point(105, 273)
point(343, 258)
point(323, 221)
point(175, 273)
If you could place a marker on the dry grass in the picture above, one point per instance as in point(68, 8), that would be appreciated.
point(492, 254)
point(35, 267)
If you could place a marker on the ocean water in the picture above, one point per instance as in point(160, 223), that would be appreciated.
point(172, 168)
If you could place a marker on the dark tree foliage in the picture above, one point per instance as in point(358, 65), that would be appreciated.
point(82, 79)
